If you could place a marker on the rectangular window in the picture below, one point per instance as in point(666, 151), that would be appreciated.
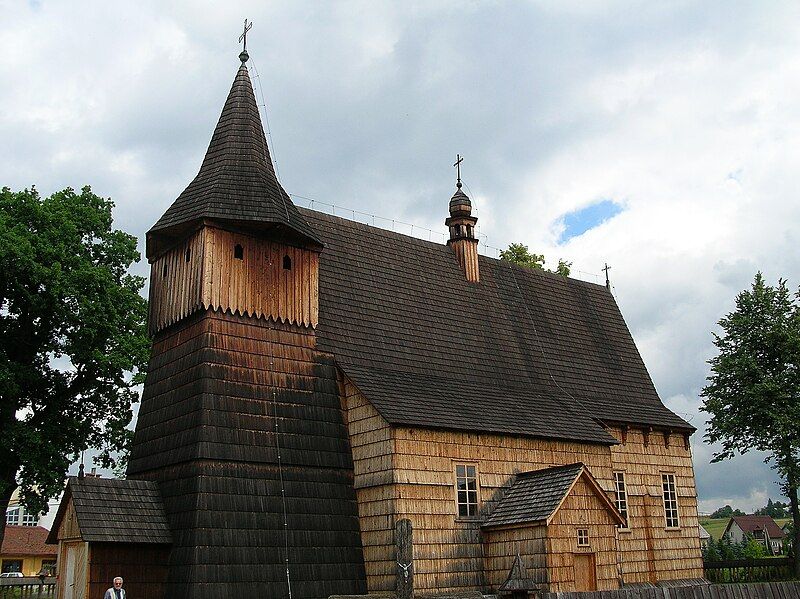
point(670, 501)
point(467, 490)
point(621, 496)
point(583, 537)
point(12, 517)
point(12, 565)
point(29, 519)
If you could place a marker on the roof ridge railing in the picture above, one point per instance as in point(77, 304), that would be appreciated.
point(414, 230)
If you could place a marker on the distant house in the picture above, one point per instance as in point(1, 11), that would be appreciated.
point(762, 528)
point(24, 550)
point(705, 537)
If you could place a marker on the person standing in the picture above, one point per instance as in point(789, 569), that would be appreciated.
point(115, 592)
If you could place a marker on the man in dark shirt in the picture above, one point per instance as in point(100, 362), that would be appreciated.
point(115, 592)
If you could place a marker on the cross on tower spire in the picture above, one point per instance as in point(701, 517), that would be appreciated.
point(457, 164)
point(243, 38)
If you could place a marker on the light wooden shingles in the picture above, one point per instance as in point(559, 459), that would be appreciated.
point(649, 551)
point(582, 509)
point(372, 446)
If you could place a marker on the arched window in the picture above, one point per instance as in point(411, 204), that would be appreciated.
point(287, 263)
point(188, 254)
point(238, 252)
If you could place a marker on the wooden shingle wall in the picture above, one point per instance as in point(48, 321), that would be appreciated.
point(581, 509)
point(501, 547)
point(207, 434)
point(204, 272)
point(448, 550)
point(372, 443)
point(650, 552)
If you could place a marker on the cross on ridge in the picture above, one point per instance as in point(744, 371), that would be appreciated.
point(607, 268)
point(243, 37)
point(457, 164)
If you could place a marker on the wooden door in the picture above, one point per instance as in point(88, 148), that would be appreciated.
point(69, 571)
point(76, 571)
point(585, 574)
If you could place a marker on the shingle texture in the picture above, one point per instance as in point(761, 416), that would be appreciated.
point(236, 181)
point(534, 495)
point(118, 511)
point(522, 352)
point(26, 540)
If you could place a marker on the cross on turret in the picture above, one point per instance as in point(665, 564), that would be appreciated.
point(457, 164)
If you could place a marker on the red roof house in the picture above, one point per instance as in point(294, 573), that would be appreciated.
point(24, 550)
point(762, 528)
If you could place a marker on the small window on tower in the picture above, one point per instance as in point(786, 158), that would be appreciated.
point(287, 263)
point(238, 252)
point(188, 254)
point(164, 271)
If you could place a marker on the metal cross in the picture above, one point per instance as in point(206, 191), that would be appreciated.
point(608, 283)
point(457, 164)
point(243, 37)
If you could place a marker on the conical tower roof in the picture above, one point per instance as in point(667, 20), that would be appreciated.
point(236, 182)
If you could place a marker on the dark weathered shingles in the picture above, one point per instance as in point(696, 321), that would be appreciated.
point(397, 313)
point(236, 181)
point(534, 496)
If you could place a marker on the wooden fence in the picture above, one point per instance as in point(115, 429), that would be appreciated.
point(756, 590)
point(768, 569)
point(28, 587)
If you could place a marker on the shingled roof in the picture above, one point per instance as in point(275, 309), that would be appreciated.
point(522, 352)
point(114, 511)
point(757, 524)
point(26, 540)
point(236, 182)
point(535, 496)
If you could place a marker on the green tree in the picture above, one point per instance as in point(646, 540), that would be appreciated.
point(518, 253)
point(753, 393)
point(726, 512)
point(752, 549)
point(73, 342)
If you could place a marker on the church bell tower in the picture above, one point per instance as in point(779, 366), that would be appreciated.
point(240, 421)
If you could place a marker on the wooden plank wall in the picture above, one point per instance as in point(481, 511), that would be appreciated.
point(582, 509)
point(175, 283)
point(758, 590)
point(203, 272)
point(650, 552)
point(372, 444)
point(501, 548)
point(69, 529)
point(467, 254)
point(142, 567)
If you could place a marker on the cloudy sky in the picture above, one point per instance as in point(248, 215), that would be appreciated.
point(662, 138)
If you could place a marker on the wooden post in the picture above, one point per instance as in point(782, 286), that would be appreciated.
point(404, 549)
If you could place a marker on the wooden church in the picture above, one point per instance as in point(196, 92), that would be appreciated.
point(319, 387)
